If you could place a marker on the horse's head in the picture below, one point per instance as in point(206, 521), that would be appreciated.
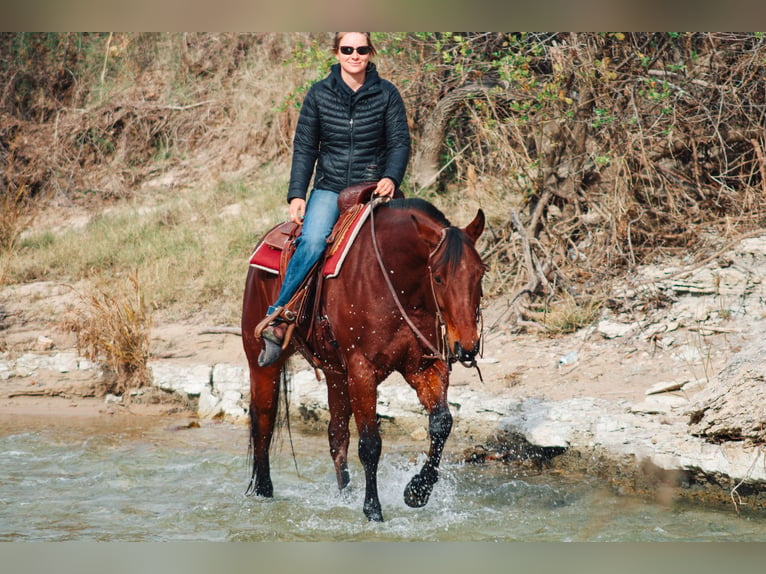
point(456, 270)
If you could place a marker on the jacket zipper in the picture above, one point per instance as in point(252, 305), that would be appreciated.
point(351, 147)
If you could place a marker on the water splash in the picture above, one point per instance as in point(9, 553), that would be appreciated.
point(151, 484)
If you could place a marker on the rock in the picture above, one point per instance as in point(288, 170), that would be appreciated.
point(65, 362)
point(611, 329)
point(664, 387)
point(28, 363)
point(688, 353)
point(209, 405)
point(44, 343)
point(223, 389)
point(662, 404)
point(569, 359)
point(653, 331)
point(733, 405)
point(84, 364)
point(550, 423)
point(190, 380)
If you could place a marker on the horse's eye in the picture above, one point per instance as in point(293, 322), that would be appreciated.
point(438, 280)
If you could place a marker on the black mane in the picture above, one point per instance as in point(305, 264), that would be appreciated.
point(454, 240)
point(421, 205)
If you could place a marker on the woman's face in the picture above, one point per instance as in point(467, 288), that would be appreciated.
point(353, 63)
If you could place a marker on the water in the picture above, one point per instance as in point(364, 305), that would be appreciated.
point(132, 479)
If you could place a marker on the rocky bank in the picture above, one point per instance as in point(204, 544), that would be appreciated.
point(665, 394)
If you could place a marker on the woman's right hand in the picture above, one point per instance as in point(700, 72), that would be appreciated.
point(297, 209)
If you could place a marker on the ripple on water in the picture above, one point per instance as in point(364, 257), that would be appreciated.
point(155, 484)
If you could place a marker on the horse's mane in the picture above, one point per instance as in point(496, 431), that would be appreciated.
point(420, 205)
point(454, 239)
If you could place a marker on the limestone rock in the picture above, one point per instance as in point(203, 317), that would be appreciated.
point(733, 406)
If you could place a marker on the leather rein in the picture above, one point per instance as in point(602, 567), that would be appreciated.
point(440, 324)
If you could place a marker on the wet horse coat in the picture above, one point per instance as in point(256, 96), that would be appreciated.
point(407, 300)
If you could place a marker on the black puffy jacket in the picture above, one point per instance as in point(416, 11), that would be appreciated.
point(348, 136)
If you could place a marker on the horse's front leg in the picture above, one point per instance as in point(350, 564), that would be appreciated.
point(370, 447)
point(431, 387)
point(338, 433)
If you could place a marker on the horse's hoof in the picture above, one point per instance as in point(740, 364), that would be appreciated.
point(269, 354)
point(260, 490)
point(344, 478)
point(418, 492)
point(373, 512)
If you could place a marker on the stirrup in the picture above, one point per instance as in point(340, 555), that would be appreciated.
point(277, 314)
point(281, 315)
point(274, 342)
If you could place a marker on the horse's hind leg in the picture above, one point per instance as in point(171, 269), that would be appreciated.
point(431, 387)
point(260, 289)
point(338, 433)
point(264, 394)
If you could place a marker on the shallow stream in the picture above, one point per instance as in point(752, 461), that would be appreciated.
point(136, 479)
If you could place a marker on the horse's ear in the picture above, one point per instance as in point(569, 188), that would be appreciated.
point(431, 236)
point(476, 227)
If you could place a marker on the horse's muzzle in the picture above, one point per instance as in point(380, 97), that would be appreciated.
point(465, 356)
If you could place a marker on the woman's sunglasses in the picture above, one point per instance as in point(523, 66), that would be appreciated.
point(348, 50)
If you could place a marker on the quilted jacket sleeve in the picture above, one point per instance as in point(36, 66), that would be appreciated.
point(305, 147)
point(397, 138)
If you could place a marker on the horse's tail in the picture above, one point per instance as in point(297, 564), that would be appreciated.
point(251, 457)
point(285, 394)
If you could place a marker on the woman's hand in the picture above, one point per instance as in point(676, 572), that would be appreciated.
point(297, 209)
point(385, 188)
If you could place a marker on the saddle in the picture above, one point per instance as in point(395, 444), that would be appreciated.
point(273, 253)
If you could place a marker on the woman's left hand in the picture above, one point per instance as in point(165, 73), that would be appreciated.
point(385, 188)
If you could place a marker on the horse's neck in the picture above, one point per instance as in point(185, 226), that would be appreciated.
point(404, 256)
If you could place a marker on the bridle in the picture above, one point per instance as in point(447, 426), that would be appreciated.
point(441, 328)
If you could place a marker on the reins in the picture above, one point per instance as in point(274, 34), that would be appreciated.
point(440, 324)
point(437, 353)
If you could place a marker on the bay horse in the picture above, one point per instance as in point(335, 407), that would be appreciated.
point(406, 299)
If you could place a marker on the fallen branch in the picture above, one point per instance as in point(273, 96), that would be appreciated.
point(40, 393)
point(221, 331)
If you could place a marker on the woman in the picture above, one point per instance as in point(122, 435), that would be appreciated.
point(352, 128)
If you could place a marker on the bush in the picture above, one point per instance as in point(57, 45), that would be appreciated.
point(113, 328)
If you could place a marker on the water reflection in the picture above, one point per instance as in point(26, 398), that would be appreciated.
point(132, 479)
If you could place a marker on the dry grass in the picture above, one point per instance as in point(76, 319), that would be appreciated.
point(113, 327)
point(190, 247)
point(591, 153)
point(569, 314)
point(16, 213)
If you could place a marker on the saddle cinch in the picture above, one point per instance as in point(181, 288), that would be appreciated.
point(273, 253)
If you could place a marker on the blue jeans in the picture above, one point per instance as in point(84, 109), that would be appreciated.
point(321, 215)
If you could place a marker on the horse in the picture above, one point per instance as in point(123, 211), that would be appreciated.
point(407, 299)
